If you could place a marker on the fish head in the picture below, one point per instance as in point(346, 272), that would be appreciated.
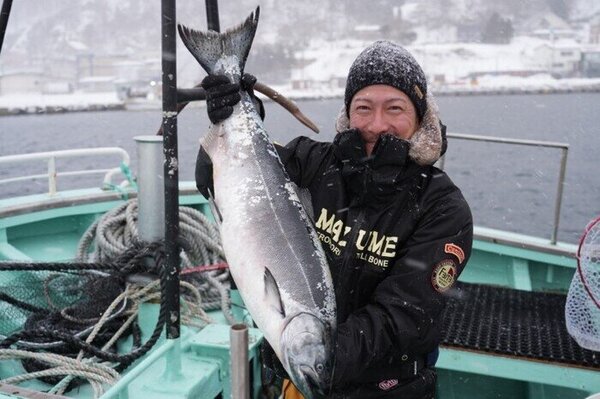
point(307, 354)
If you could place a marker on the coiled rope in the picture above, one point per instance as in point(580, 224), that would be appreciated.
point(114, 232)
point(116, 249)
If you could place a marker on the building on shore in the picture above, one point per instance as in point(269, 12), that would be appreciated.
point(590, 62)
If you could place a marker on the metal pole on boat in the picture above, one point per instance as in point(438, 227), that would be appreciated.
point(151, 198)
point(212, 15)
point(4, 14)
point(52, 176)
point(240, 368)
point(171, 173)
point(559, 194)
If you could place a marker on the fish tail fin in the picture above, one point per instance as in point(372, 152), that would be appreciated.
point(210, 46)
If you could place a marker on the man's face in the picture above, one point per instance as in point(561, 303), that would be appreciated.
point(381, 109)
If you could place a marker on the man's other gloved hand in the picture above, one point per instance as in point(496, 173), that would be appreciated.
point(204, 172)
point(271, 361)
point(222, 95)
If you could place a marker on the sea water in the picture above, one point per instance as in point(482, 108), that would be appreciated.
point(508, 187)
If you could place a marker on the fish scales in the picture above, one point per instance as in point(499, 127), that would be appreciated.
point(274, 254)
point(260, 194)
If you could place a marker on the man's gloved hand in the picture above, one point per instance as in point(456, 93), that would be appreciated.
point(222, 95)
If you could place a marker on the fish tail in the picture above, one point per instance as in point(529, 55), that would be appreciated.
point(210, 46)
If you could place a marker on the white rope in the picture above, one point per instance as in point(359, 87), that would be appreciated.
point(138, 296)
point(80, 366)
point(52, 358)
point(62, 385)
point(95, 373)
point(114, 232)
point(92, 375)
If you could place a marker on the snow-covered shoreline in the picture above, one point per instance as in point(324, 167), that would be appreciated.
point(34, 103)
point(16, 104)
point(492, 86)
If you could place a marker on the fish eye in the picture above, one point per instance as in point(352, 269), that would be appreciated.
point(319, 367)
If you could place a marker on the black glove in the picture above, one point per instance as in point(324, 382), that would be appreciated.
point(204, 173)
point(222, 95)
point(248, 82)
point(271, 361)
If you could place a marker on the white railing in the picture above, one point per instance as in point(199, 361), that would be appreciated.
point(564, 147)
point(51, 156)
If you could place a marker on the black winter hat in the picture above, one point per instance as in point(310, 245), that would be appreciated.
point(385, 62)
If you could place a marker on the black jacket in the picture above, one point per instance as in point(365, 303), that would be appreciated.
point(396, 234)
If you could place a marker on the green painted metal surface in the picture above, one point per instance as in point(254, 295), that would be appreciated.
point(453, 384)
point(213, 343)
point(52, 234)
point(481, 366)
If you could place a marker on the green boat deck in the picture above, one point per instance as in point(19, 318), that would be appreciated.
point(38, 229)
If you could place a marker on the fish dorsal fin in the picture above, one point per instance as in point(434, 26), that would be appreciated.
point(272, 294)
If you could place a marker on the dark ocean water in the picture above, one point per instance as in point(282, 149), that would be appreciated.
point(508, 187)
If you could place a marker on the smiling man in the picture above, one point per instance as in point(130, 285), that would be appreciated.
point(380, 109)
point(397, 232)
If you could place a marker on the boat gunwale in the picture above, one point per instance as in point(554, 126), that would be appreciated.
point(73, 198)
point(30, 204)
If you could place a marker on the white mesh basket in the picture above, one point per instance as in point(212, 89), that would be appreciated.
point(582, 310)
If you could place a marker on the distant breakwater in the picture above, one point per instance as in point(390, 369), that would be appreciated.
point(57, 109)
point(477, 91)
point(595, 88)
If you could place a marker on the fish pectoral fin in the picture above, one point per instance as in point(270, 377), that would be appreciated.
point(272, 294)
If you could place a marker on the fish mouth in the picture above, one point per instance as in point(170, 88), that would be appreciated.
point(314, 378)
point(311, 384)
point(307, 352)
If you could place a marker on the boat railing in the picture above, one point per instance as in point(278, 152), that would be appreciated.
point(52, 173)
point(564, 147)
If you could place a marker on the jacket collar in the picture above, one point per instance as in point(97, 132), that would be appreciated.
point(427, 144)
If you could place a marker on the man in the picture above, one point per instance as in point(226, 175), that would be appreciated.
point(397, 232)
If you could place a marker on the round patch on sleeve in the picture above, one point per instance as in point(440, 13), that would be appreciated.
point(444, 275)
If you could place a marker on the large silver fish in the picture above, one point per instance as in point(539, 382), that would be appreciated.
point(273, 252)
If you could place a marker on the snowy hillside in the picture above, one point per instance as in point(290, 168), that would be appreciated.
point(125, 26)
point(581, 9)
point(295, 41)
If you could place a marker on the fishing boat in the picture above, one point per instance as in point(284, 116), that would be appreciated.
point(504, 329)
